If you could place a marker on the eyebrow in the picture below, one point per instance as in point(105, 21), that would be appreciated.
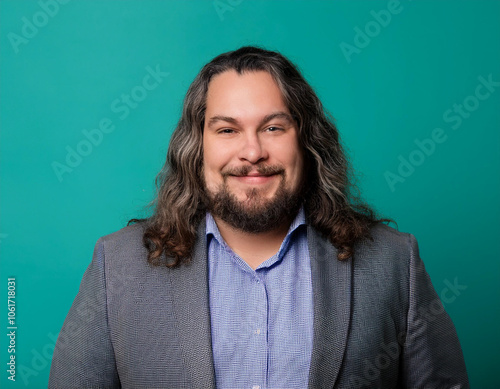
point(265, 119)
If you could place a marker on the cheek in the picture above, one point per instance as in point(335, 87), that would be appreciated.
point(210, 177)
point(212, 165)
point(212, 162)
point(209, 156)
point(216, 156)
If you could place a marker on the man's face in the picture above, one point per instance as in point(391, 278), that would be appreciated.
point(253, 164)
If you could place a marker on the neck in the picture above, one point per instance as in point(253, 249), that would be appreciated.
point(253, 248)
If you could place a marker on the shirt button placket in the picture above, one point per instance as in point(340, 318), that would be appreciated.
point(259, 332)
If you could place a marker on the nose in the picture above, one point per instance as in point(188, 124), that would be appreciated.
point(252, 149)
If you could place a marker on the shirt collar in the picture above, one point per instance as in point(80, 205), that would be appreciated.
point(300, 219)
point(212, 229)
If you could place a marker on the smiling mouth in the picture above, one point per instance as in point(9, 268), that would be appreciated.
point(254, 179)
point(255, 175)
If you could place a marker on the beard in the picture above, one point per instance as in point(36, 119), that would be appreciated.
point(256, 213)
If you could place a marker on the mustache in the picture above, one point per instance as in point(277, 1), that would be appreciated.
point(265, 170)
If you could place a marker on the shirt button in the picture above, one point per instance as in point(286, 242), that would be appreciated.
point(256, 387)
point(257, 331)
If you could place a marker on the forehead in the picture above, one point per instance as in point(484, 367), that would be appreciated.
point(243, 94)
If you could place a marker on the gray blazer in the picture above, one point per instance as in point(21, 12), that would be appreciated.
point(378, 323)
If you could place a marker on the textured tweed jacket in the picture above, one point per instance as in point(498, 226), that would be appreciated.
point(378, 323)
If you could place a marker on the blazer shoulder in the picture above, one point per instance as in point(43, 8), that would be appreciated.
point(129, 235)
point(127, 232)
point(386, 236)
point(384, 231)
point(385, 247)
point(125, 246)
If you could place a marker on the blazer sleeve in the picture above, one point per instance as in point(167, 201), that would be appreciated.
point(431, 356)
point(83, 355)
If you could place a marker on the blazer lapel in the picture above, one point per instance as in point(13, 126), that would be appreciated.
point(191, 309)
point(331, 282)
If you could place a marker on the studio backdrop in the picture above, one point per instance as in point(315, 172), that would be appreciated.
point(92, 90)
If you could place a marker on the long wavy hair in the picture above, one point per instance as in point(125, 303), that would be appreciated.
point(331, 203)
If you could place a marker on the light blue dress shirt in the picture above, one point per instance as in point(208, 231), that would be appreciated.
point(262, 320)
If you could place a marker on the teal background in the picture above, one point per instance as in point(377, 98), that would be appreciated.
point(392, 92)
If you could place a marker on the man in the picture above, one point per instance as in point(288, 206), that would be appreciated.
point(258, 268)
